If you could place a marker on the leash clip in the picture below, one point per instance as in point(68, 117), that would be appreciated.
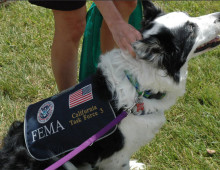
point(129, 109)
point(136, 101)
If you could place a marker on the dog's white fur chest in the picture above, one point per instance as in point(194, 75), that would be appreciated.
point(114, 64)
point(139, 130)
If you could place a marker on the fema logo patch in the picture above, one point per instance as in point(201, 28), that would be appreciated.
point(45, 112)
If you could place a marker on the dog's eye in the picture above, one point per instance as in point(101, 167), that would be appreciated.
point(191, 27)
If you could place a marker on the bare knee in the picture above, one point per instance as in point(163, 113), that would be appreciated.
point(71, 30)
point(69, 25)
point(76, 29)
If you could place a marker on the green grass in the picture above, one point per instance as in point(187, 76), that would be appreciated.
point(193, 124)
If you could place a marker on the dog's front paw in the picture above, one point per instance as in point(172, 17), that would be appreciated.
point(134, 165)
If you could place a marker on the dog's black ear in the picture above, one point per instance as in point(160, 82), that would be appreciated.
point(157, 44)
point(150, 12)
point(147, 48)
point(166, 49)
point(161, 51)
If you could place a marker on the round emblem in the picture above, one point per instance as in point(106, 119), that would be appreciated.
point(45, 112)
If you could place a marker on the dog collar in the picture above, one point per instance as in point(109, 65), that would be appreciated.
point(147, 93)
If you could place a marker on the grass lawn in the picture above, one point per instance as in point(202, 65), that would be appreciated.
point(193, 124)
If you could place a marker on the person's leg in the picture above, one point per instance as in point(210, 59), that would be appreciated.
point(106, 39)
point(69, 27)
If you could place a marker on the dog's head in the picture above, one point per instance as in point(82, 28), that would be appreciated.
point(170, 40)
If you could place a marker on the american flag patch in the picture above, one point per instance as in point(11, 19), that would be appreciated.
point(80, 96)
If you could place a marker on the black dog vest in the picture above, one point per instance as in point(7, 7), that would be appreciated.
point(62, 122)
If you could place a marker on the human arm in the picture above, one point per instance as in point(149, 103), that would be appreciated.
point(123, 34)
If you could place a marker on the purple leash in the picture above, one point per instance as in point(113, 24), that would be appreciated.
point(88, 142)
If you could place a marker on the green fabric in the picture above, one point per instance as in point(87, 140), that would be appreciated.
point(91, 42)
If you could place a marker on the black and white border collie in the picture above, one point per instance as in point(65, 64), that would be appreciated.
point(169, 42)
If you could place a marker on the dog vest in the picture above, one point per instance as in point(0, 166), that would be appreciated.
point(62, 122)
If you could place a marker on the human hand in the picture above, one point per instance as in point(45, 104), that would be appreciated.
point(124, 35)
